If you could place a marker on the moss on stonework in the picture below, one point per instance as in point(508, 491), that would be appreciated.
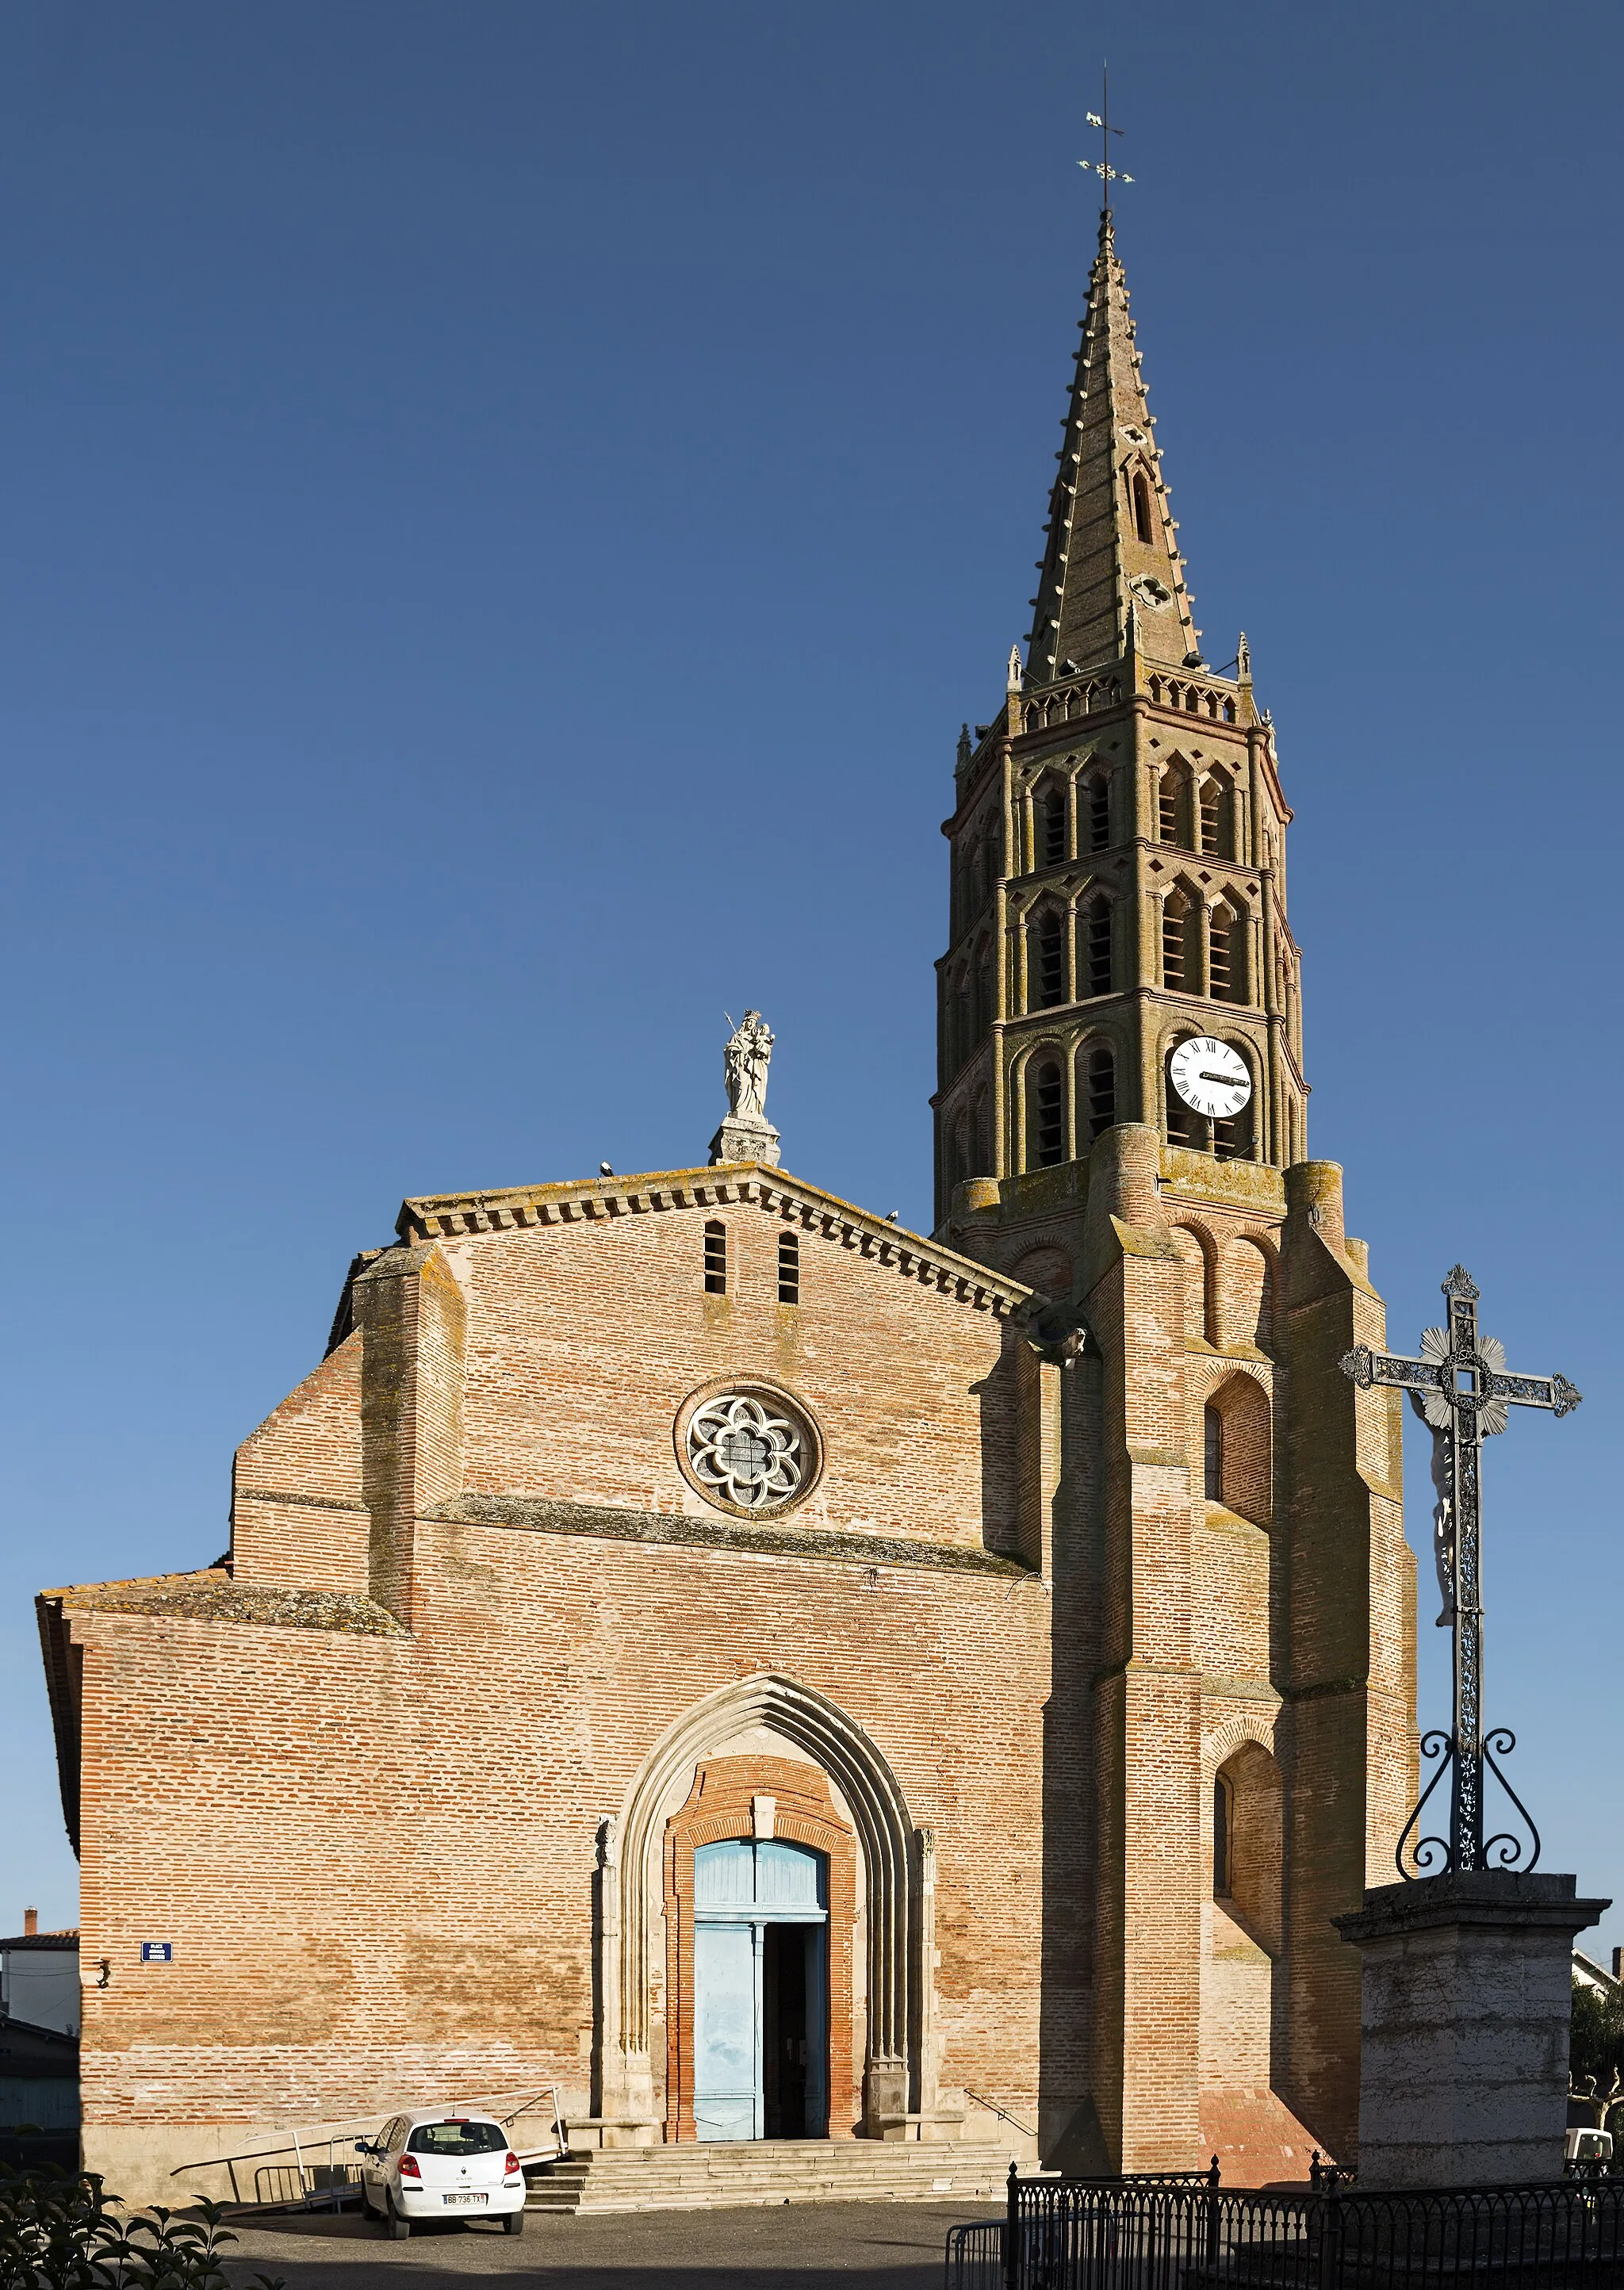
point(675, 1528)
point(1190, 1176)
point(216, 1598)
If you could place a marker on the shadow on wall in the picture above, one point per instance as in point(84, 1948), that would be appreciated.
point(1072, 2136)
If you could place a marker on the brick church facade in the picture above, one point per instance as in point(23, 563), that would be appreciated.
point(921, 1688)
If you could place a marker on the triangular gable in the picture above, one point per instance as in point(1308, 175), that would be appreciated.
point(445, 1216)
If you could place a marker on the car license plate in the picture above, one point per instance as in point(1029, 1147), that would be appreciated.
point(468, 2199)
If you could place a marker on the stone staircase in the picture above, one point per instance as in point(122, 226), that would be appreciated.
point(719, 2174)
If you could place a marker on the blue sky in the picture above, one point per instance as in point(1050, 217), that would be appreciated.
point(506, 511)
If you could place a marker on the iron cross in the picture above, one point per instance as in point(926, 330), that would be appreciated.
point(1101, 119)
point(1461, 1387)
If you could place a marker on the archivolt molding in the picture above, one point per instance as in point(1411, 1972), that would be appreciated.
point(1183, 1028)
point(895, 1875)
point(1061, 893)
point(1219, 1743)
point(1226, 1369)
point(1265, 1243)
point(1056, 1046)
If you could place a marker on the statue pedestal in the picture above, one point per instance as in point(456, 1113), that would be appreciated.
point(742, 1139)
point(1467, 2000)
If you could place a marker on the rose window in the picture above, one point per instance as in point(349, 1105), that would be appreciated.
point(743, 1451)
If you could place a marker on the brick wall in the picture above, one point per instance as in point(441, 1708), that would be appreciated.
point(360, 1784)
point(370, 1835)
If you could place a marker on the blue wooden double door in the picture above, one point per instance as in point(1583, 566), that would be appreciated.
point(761, 2048)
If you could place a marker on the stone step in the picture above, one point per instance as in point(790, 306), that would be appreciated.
point(704, 2175)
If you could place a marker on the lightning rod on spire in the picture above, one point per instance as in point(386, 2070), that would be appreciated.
point(1101, 119)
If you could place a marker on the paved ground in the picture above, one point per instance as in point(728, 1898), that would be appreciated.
point(793, 2246)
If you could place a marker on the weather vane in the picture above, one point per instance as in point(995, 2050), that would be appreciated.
point(1101, 119)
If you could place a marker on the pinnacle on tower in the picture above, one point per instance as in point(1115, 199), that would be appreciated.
point(1113, 544)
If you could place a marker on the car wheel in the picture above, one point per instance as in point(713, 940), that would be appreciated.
point(400, 2228)
point(514, 2223)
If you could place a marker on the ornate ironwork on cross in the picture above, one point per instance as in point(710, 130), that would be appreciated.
point(1461, 1390)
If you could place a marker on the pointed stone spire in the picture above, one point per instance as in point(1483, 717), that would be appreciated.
point(1112, 541)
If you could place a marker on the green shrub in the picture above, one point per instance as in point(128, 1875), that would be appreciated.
point(59, 2231)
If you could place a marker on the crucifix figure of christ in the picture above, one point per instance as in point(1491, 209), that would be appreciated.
point(1461, 1390)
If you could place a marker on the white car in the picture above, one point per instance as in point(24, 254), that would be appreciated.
point(435, 2164)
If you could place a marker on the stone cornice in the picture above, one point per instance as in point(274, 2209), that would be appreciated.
point(540, 1515)
point(449, 1216)
point(212, 1595)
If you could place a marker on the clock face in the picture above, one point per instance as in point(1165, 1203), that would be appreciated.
point(1210, 1076)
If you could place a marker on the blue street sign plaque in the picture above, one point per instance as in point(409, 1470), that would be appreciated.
point(158, 1951)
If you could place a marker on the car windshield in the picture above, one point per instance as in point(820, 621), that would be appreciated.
point(457, 2137)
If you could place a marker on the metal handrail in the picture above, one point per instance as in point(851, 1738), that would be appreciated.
point(993, 2108)
point(330, 2135)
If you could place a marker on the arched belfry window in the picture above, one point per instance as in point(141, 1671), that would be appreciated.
point(1046, 1114)
point(1185, 1125)
point(1052, 826)
point(1171, 825)
point(1232, 1139)
point(1098, 1093)
point(1227, 935)
point(1049, 959)
point(1097, 792)
point(1097, 944)
point(1217, 821)
point(1180, 922)
point(1211, 817)
point(1139, 496)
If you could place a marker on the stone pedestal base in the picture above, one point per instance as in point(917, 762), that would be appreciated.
point(1467, 1999)
point(598, 2131)
point(739, 1139)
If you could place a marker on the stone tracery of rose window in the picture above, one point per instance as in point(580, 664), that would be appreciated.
point(742, 1451)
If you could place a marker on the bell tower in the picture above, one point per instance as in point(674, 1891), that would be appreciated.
point(1117, 840)
point(1121, 1127)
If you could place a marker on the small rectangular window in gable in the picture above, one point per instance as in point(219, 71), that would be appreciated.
point(788, 1267)
point(715, 1258)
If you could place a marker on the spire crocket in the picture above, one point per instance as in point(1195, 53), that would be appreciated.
point(1111, 540)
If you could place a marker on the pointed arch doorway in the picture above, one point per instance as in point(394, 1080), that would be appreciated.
point(761, 1900)
point(883, 2048)
point(760, 1989)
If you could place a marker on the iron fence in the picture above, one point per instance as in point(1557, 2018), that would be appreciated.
point(1192, 2233)
point(975, 2252)
point(975, 2256)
